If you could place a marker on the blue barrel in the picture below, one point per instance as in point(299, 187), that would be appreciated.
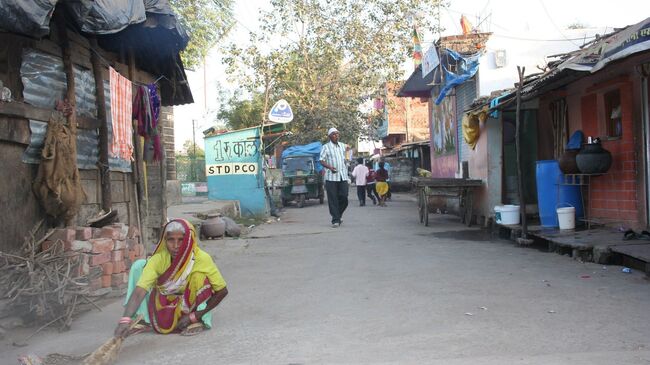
point(553, 194)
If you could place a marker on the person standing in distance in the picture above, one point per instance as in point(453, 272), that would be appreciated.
point(332, 157)
point(360, 174)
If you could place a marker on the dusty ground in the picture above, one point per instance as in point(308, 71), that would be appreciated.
point(385, 289)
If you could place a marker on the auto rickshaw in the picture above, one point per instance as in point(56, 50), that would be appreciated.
point(301, 181)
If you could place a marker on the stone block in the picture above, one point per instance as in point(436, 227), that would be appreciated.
point(63, 234)
point(106, 281)
point(83, 267)
point(108, 268)
point(119, 279)
point(119, 245)
point(101, 245)
point(84, 233)
point(79, 246)
point(97, 232)
point(122, 230)
point(110, 232)
point(119, 267)
point(98, 259)
point(117, 255)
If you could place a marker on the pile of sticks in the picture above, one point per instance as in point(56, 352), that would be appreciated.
point(43, 287)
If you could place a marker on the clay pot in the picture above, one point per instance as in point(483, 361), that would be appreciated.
point(567, 161)
point(214, 226)
point(593, 159)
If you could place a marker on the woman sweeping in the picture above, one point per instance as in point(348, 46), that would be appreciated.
point(381, 176)
point(180, 283)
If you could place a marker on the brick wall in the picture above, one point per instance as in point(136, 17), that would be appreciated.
point(613, 195)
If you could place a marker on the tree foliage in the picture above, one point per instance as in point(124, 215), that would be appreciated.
point(238, 113)
point(206, 22)
point(332, 56)
point(192, 150)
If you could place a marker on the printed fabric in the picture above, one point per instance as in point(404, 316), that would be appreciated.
point(146, 111)
point(121, 115)
point(180, 285)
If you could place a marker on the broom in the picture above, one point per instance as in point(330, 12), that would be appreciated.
point(107, 353)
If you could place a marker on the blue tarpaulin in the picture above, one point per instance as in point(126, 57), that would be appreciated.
point(466, 68)
point(312, 149)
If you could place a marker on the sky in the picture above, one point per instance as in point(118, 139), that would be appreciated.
point(530, 20)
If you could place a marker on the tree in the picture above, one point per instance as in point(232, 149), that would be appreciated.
point(335, 54)
point(238, 113)
point(192, 150)
point(206, 21)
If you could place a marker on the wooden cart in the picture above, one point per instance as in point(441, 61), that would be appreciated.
point(463, 189)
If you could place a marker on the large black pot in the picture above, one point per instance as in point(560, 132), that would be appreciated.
point(593, 159)
point(568, 163)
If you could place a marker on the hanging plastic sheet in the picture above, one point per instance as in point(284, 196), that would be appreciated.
point(107, 17)
point(31, 17)
point(466, 66)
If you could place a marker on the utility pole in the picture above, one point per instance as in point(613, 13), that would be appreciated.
point(193, 164)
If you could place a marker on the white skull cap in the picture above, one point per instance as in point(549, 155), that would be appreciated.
point(332, 130)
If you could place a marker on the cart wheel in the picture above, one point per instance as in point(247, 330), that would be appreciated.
point(301, 200)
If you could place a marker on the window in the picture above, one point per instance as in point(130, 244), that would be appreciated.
point(613, 114)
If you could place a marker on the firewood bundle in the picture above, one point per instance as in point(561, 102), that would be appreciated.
point(43, 287)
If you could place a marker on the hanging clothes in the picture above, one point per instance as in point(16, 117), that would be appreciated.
point(121, 115)
point(146, 110)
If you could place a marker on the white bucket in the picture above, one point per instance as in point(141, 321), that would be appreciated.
point(509, 214)
point(567, 217)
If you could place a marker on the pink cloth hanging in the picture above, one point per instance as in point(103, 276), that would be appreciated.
point(121, 115)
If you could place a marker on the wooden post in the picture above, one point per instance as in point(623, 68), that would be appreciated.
point(66, 54)
point(136, 166)
point(522, 200)
point(104, 171)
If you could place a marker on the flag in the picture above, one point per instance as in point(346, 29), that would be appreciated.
point(465, 25)
point(417, 48)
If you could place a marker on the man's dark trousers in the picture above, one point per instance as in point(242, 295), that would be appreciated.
point(361, 194)
point(337, 198)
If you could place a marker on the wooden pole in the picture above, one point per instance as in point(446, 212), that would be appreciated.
point(136, 165)
point(104, 171)
point(66, 54)
point(522, 200)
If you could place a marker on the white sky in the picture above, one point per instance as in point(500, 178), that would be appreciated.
point(533, 19)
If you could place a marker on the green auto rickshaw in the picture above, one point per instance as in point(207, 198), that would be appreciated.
point(300, 180)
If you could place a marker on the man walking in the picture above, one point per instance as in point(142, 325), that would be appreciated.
point(360, 173)
point(332, 157)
